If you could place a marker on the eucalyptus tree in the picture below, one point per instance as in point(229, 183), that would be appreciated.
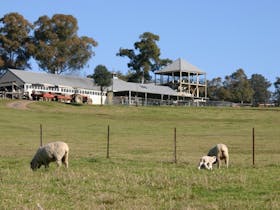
point(260, 87)
point(16, 46)
point(239, 87)
point(145, 57)
point(58, 46)
point(213, 88)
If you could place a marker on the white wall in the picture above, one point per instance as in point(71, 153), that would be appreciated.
point(95, 95)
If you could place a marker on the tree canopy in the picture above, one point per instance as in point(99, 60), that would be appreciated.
point(145, 57)
point(102, 77)
point(15, 42)
point(238, 88)
point(260, 87)
point(241, 87)
point(58, 47)
point(214, 88)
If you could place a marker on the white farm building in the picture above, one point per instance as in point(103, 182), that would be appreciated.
point(179, 83)
point(36, 85)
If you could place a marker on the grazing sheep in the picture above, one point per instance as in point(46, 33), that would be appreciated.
point(52, 152)
point(220, 151)
point(206, 162)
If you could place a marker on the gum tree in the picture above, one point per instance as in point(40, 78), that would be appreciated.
point(58, 47)
point(239, 86)
point(16, 47)
point(145, 57)
point(260, 86)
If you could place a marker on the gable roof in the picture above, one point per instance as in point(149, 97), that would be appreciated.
point(32, 77)
point(180, 65)
point(120, 85)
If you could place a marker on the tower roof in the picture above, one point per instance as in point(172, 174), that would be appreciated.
point(180, 65)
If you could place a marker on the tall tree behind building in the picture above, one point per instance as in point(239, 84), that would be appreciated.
point(145, 57)
point(102, 77)
point(58, 47)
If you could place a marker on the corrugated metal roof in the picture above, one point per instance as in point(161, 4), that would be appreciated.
point(180, 65)
point(31, 77)
point(120, 85)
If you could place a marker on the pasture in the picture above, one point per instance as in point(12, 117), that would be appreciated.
point(140, 173)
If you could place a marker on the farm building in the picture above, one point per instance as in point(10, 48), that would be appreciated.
point(43, 86)
point(180, 83)
point(186, 79)
point(140, 94)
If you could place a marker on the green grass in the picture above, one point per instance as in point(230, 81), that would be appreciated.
point(140, 173)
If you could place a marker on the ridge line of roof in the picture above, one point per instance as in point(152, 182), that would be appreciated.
point(49, 74)
point(179, 65)
point(54, 79)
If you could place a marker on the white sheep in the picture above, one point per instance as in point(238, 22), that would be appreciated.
point(220, 151)
point(207, 162)
point(52, 152)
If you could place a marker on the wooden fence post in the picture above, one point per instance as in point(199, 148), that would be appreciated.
point(41, 135)
point(108, 141)
point(253, 145)
point(175, 146)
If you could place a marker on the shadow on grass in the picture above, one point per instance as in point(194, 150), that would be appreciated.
point(74, 104)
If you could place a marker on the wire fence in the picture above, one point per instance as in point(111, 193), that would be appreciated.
point(248, 150)
point(140, 101)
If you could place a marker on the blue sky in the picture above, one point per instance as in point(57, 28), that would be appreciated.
point(217, 36)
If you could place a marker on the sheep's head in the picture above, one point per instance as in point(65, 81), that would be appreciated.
point(34, 165)
point(214, 160)
point(201, 163)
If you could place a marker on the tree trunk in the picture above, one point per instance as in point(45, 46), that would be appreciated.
point(101, 89)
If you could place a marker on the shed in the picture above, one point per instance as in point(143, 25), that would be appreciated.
point(20, 83)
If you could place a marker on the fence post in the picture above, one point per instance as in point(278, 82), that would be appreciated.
point(108, 141)
point(175, 147)
point(253, 145)
point(41, 135)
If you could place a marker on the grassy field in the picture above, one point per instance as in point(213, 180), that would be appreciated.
point(140, 173)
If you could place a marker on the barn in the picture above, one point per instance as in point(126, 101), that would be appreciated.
point(179, 83)
point(130, 93)
point(42, 86)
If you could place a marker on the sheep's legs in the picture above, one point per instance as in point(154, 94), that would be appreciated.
point(200, 164)
point(218, 163)
point(65, 160)
point(58, 163)
point(226, 161)
point(210, 166)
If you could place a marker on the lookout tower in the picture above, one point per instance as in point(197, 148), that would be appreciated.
point(188, 80)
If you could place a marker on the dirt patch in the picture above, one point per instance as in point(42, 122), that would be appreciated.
point(19, 104)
